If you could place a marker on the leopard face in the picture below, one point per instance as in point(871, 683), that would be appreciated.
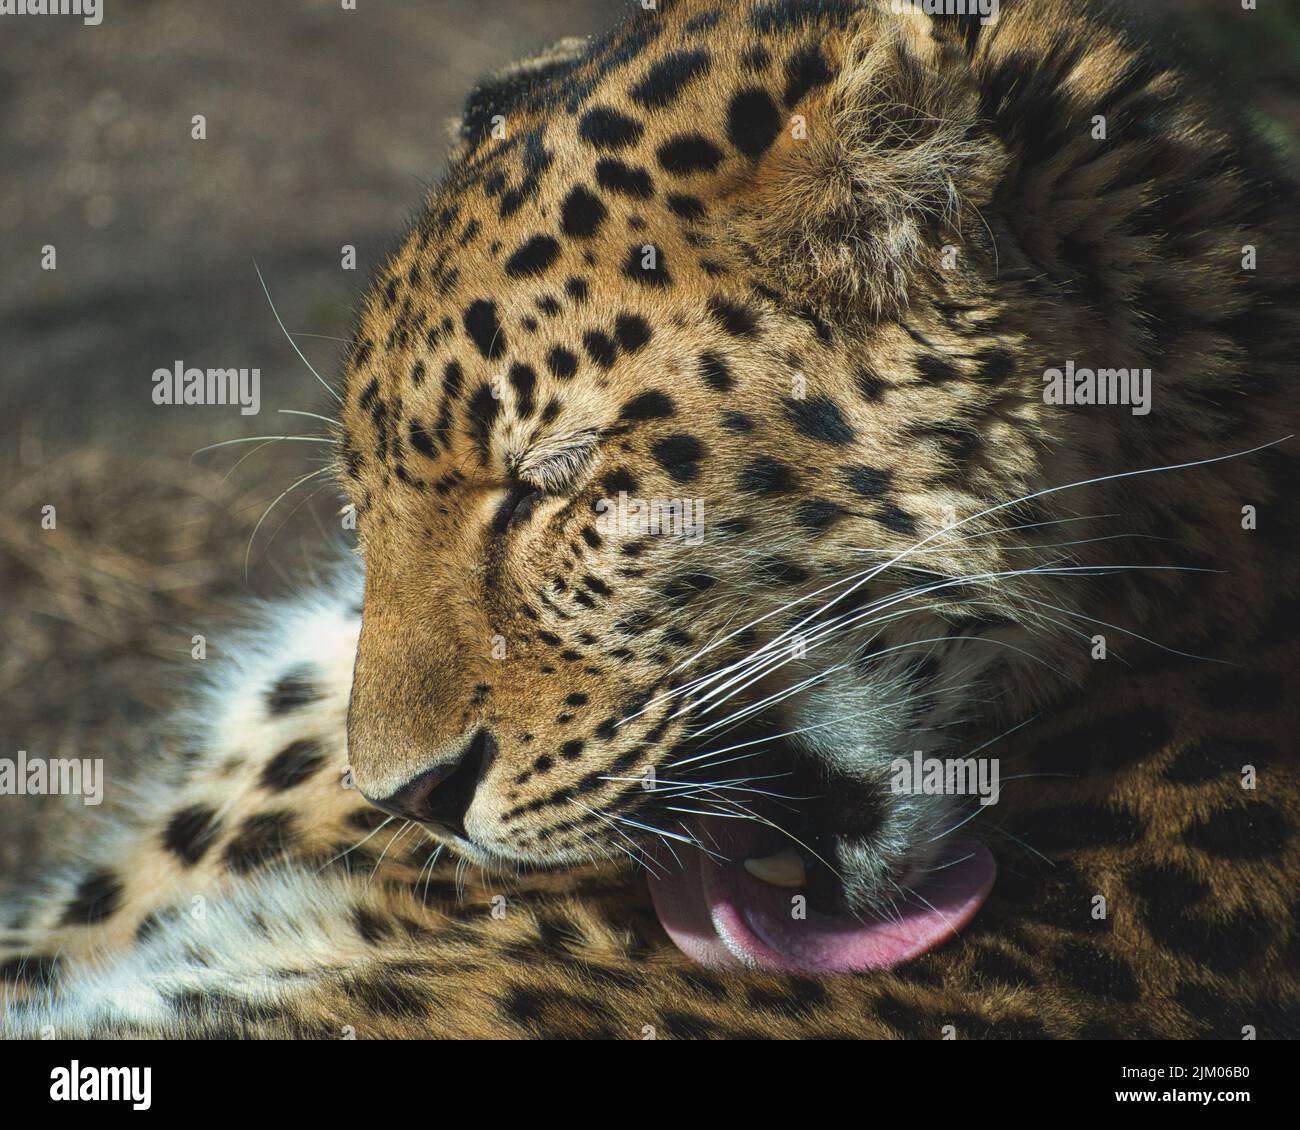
point(771, 273)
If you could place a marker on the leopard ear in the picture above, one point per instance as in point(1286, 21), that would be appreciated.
point(513, 86)
point(879, 167)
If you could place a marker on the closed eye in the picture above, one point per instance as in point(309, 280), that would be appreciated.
point(557, 465)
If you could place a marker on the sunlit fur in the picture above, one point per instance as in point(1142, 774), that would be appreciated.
point(906, 548)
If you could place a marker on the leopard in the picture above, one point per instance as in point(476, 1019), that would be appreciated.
point(775, 401)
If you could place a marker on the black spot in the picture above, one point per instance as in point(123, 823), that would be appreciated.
point(753, 122)
point(766, 475)
point(819, 514)
point(936, 369)
point(421, 440)
point(779, 571)
point(370, 926)
point(1167, 890)
point(149, 925)
point(821, 419)
point(523, 379)
point(902, 1017)
point(1061, 897)
point(1216, 757)
point(995, 366)
point(1096, 971)
point(628, 180)
point(652, 405)
point(533, 258)
point(997, 966)
point(190, 832)
point(601, 348)
point(97, 896)
point(688, 585)
point(604, 128)
point(384, 995)
point(871, 385)
point(453, 378)
point(715, 372)
point(619, 481)
point(293, 765)
point(576, 289)
point(704, 21)
point(366, 819)
point(294, 689)
point(756, 59)
point(260, 838)
point(689, 153)
point(34, 971)
point(678, 1024)
point(1253, 830)
point(561, 363)
point(369, 398)
point(582, 213)
point(483, 409)
point(784, 15)
point(1080, 826)
point(571, 751)
point(739, 321)
point(869, 482)
point(958, 442)
point(666, 78)
point(686, 207)
point(1226, 945)
point(679, 455)
point(634, 267)
point(632, 332)
point(806, 70)
point(484, 329)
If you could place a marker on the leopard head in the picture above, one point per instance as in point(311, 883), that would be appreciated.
point(704, 474)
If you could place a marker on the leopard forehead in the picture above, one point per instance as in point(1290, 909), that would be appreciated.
point(612, 244)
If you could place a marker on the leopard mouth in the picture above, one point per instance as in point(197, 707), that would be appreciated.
point(718, 911)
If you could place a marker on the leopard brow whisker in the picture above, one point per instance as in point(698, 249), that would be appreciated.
point(289, 338)
point(267, 439)
point(252, 537)
point(310, 415)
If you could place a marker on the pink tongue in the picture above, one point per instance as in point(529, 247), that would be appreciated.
point(720, 915)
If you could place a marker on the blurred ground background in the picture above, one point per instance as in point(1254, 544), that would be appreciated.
point(323, 128)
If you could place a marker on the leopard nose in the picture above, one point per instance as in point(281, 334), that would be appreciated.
point(442, 794)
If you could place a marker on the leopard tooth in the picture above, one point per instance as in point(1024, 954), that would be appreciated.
point(784, 869)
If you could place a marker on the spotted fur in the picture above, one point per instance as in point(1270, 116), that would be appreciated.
point(808, 263)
